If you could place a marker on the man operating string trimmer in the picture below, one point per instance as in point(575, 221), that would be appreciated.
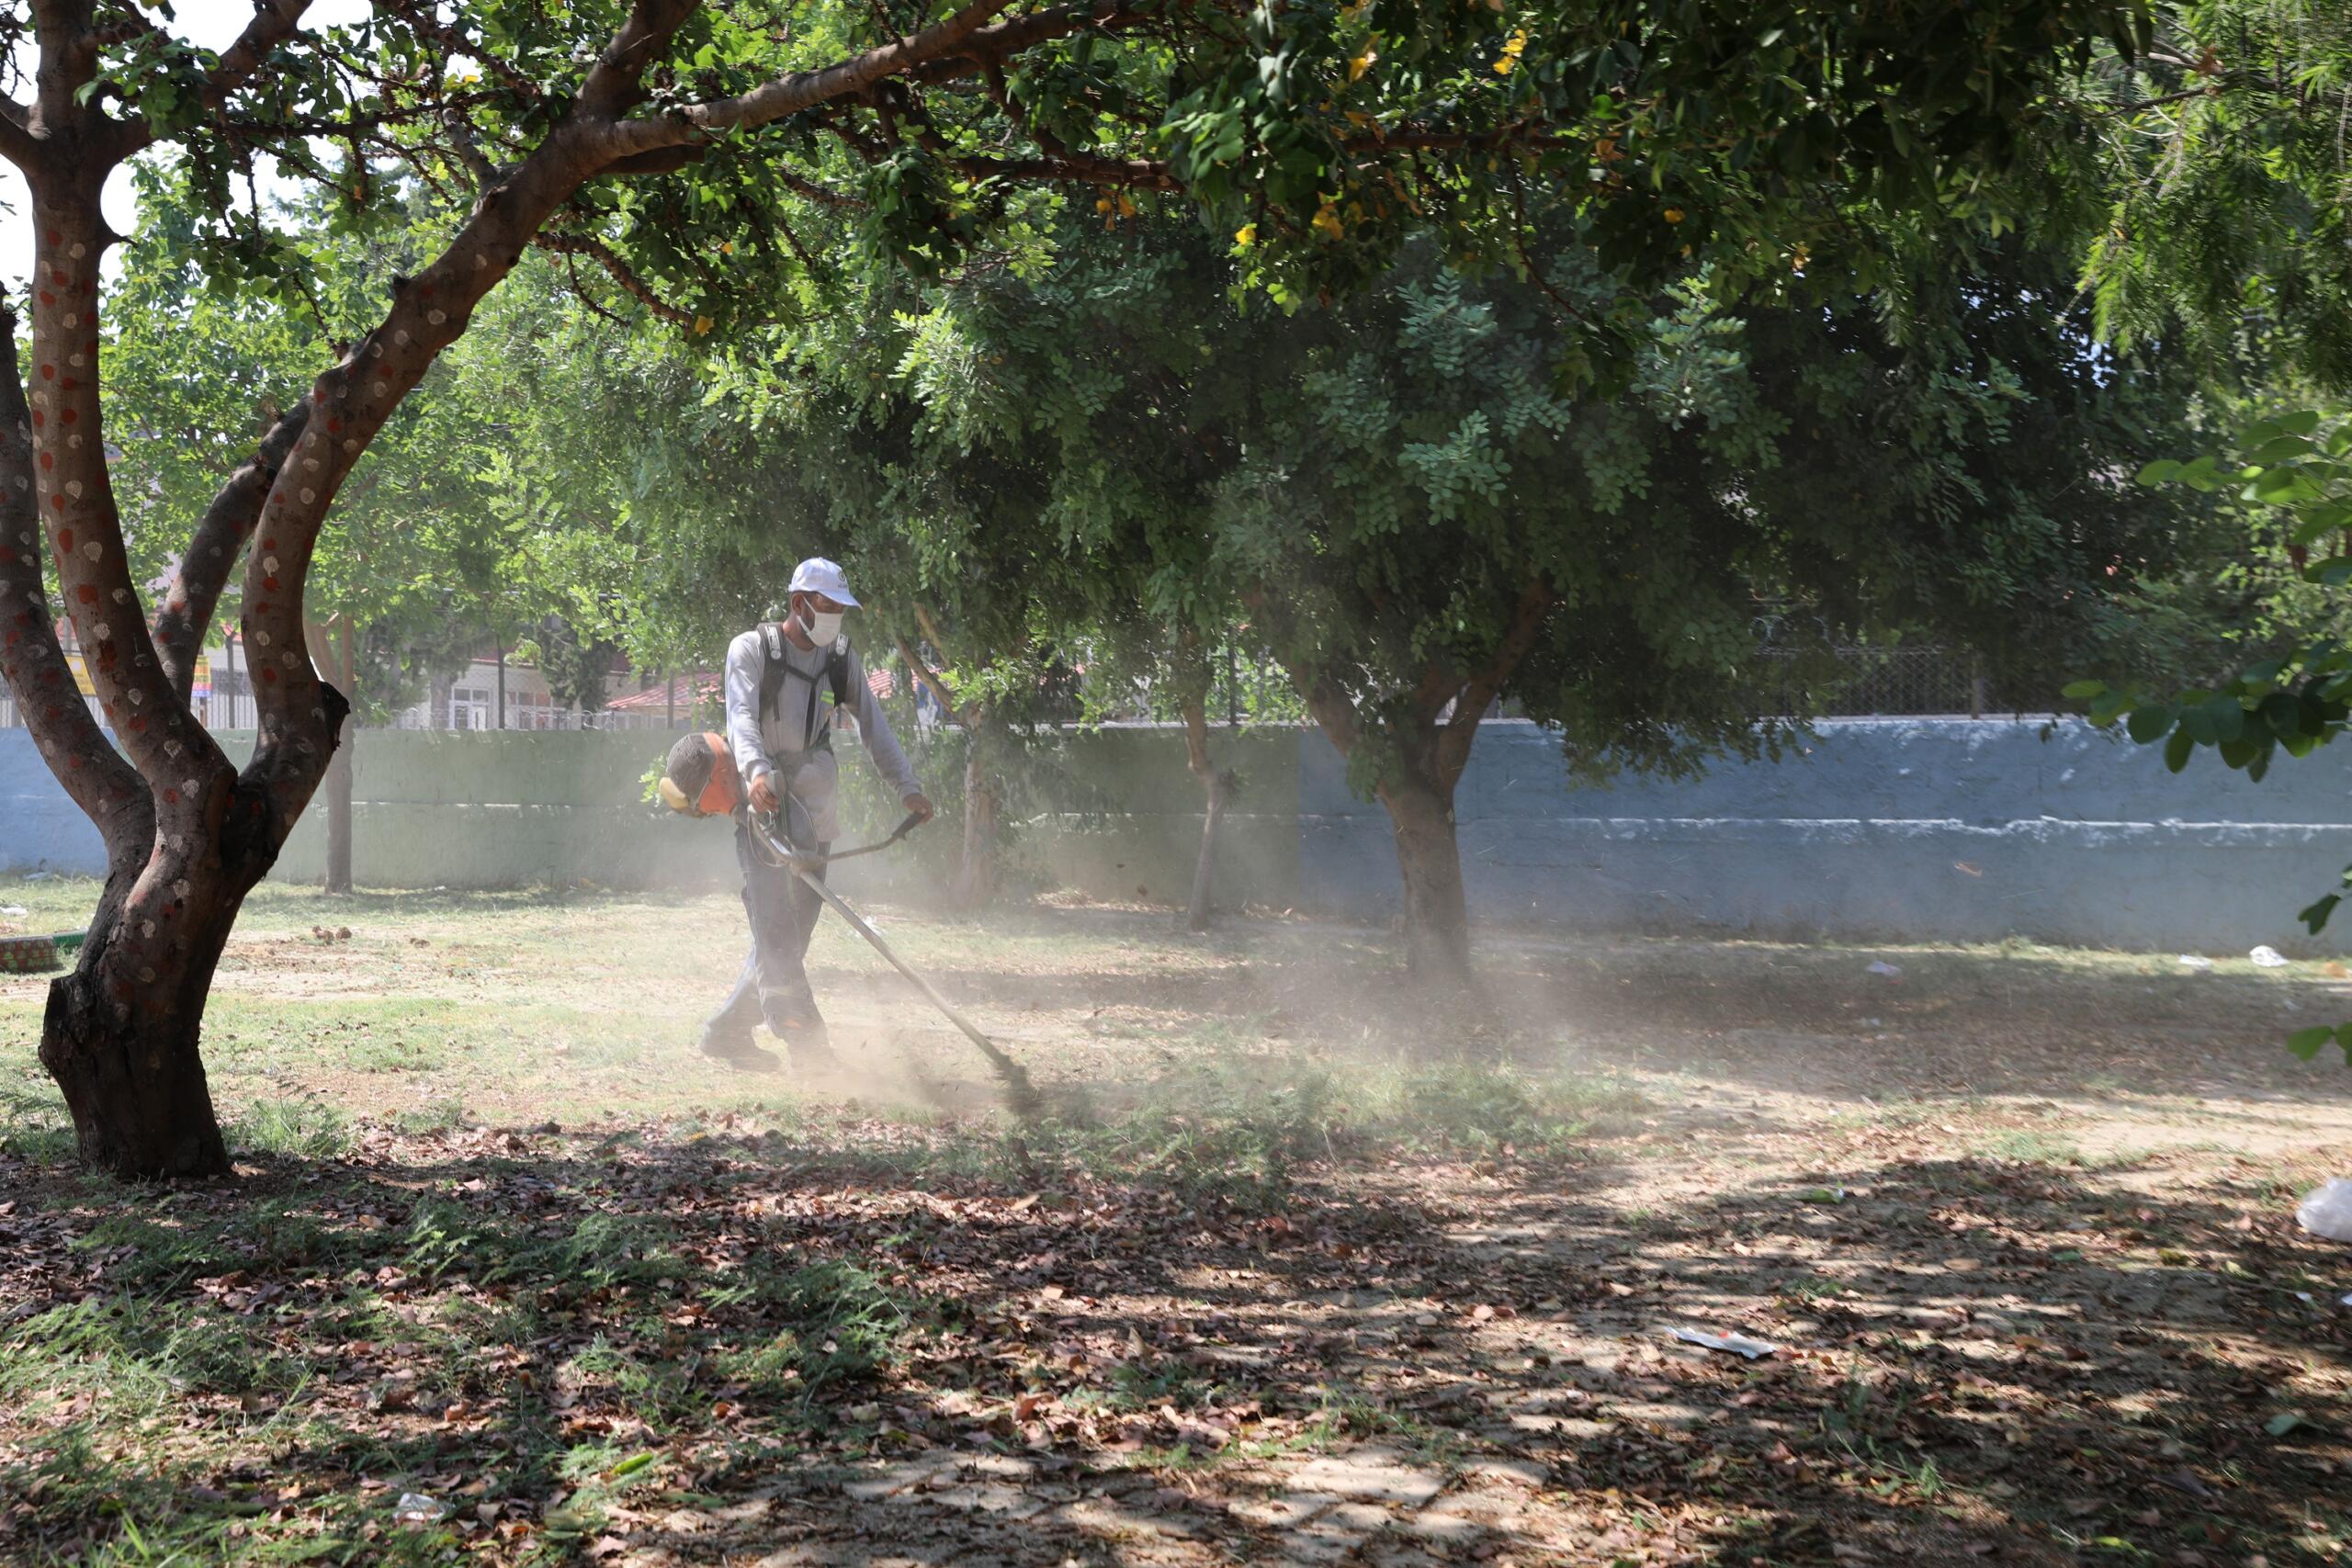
point(780, 731)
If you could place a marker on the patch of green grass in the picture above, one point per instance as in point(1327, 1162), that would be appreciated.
point(439, 1116)
point(1482, 1108)
point(157, 1249)
point(1140, 1386)
point(300, 1129)
point(836, 1322)
point(34, 1125)
point(1810, 1289)
point(2028, 1145)
point(1235, 1130)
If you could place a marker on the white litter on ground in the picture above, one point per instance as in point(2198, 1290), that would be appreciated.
point(2328, 1210)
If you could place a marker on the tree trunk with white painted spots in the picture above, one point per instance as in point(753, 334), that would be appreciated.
point(187, 834)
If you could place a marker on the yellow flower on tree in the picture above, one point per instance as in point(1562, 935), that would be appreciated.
point(1513, 47)
point(1245, 236)
point(1362, 63)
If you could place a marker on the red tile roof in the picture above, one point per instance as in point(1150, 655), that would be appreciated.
point(689, 689)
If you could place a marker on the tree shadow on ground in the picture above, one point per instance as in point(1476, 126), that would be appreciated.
point(941, 1346)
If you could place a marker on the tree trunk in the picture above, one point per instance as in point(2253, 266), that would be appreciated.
point(338, 788)
point(1216, 785)
point(333, 652)
point(1437, 917)
point(129, 1064)
point(975, 882)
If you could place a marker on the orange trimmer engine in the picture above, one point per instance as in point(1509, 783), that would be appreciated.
point(700, 779)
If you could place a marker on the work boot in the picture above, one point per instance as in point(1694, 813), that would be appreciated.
point(807, 1042)
point(737, 1052)
point(811, 1048)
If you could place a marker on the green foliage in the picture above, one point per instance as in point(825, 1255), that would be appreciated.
point(842, 1324)
point(2297, 466)
point(2208, 176)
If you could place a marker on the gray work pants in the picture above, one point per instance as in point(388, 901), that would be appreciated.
point(773, 986)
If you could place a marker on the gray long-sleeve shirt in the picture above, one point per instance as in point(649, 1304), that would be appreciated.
point(757, 740)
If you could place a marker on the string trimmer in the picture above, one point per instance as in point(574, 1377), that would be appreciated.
point(776, 849)
point(37, 955)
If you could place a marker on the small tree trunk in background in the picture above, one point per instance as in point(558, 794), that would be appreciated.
point(333, 652)
point(338, 788)
point(502, 682)
point(975, 882)
point(1216, 785)
point(1437, 915)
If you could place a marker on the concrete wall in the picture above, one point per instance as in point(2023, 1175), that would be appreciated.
point(1883, 829)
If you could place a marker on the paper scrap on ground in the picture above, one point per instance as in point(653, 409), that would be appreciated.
point(2267, 957)
point(2195, 961)
point(1737, 1344)
point(1881, 966)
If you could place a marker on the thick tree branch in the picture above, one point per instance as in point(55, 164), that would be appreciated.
point(994, 44)
point(1441, 683)
point(1454, 740)
point(68, 60)
point(92, 773)
point(967, 34)
point(301, 715)
point(273, 23)
point(16, 142)
point(613, 87)
point(1325, 703)
point(930, 679)
point(212, 552)
point(74, 485)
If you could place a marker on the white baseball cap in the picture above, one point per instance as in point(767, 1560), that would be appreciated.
point(818, 575)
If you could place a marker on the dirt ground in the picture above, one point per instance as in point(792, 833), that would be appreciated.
point(1298, 1270)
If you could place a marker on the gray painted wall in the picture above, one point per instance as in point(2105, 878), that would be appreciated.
point(1883, 829)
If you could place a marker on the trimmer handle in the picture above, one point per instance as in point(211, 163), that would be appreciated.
point(914, 820)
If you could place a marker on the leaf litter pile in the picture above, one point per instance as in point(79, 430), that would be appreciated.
point(1212, 1326)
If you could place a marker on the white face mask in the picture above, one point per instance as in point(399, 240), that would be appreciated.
point(823, 627)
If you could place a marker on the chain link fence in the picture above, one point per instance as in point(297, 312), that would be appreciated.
point(1894, 683)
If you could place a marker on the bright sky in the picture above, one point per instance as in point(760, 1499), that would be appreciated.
point(214, 24)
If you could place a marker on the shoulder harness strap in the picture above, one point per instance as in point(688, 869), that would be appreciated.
point(772, 670)
point(836, 677)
